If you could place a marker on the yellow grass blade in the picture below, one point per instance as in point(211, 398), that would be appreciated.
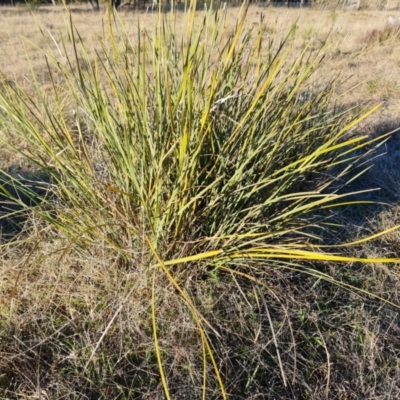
point(195, 313)
point(156, 344)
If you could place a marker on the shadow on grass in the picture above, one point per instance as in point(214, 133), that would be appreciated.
point(383, 177)
point(20, 191)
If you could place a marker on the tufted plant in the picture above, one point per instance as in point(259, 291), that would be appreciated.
point(213, 150)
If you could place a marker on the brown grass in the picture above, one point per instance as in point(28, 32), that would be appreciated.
point(55, 313)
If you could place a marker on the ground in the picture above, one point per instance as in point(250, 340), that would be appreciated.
point(333, 344)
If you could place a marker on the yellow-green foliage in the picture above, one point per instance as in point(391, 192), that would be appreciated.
point(209, 151)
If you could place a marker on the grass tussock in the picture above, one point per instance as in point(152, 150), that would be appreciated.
point(177, 245)
point(391, 31)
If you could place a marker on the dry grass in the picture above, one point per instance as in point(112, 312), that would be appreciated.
point(56, 313)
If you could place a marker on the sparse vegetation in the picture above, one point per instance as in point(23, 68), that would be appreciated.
point(190, 218)
point(389, 32)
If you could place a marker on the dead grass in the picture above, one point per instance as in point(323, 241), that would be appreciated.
point(78, 328)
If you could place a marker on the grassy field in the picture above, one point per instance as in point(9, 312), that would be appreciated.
point(173, 218)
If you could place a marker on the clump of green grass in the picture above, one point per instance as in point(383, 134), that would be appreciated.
point(205, 158)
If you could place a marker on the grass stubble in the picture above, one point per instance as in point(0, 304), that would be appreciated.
point(190, 236)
